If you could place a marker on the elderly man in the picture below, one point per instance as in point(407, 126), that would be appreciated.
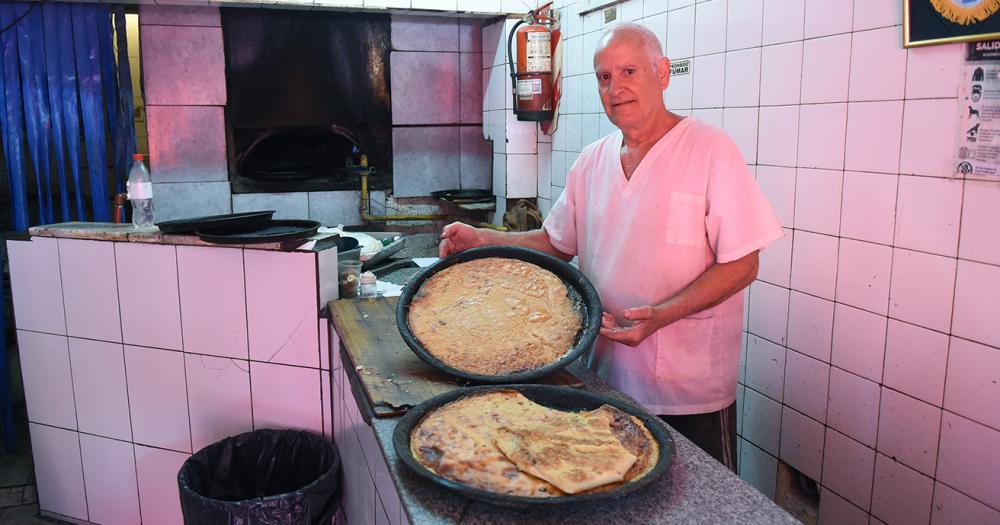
point(667, 222)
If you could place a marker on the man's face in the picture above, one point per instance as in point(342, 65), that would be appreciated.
point(630, 84)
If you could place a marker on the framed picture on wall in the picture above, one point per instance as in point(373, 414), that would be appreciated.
point(929, 22)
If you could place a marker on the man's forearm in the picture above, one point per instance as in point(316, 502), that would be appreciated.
point(534, 239)
point(718, 283)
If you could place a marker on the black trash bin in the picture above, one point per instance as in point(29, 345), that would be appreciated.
point(264, 477)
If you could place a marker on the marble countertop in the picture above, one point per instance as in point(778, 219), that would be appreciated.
point(104, 231)
point(695, 490)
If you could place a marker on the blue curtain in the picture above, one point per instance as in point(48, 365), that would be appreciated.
point(60, 83)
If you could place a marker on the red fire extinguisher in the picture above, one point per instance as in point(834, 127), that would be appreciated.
point(532, 78)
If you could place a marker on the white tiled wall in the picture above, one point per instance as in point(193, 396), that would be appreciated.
point(112, 422)
point(872, 355)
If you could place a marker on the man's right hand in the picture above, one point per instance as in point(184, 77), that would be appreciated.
point(457, 237)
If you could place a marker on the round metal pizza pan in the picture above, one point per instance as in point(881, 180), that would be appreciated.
point(556, 397)
point(580, 289)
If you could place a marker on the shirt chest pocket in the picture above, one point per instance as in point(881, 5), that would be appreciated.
point(686, 219)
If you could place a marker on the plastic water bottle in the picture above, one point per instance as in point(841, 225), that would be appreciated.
point(140, 193)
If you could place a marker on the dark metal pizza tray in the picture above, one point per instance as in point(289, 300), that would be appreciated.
point(231, 221)
point(580, 289)
point(556, 397)
point(273, 231)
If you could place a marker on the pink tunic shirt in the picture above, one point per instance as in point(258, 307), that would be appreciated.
point(690, 203)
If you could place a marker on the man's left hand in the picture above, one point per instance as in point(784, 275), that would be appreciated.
point(645, 324)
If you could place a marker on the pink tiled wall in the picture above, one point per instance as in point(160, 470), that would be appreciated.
point(872, 357)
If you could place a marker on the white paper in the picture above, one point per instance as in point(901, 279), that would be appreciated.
point(387, 289)
point(424, 262)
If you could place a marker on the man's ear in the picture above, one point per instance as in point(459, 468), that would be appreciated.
point(663, 72)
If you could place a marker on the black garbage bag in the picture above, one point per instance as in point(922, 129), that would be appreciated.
point(264, 477)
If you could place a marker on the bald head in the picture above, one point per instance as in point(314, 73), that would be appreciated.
point(634, 34)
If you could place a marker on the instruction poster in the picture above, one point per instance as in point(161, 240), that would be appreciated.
point(977, 152)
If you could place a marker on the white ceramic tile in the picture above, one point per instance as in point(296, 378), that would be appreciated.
point(853, 406)
point(810, 325)
point(869, 14)
point(784, 20)
point(326, 402)
point(591, 102)
point(802, 443)
point(758, 468)
point(590, 41)
point(822, 135)
point(744, 23)
point(631, 10)
point(90, 289)
point(558, 173)
point(710, 23)
point(778, 135)
point(781, 74)
point(99, 387)
point(218, 398)
point(969, 458)
point(980, 211)
point(776, 261)
point(931, 70)
point(928, 214)
point(863, 275)
point(743, 78)
point(281, 307)
point(36, 285)
point(679, 94)
point(522, 137)
point(590, 131)
point(874, 131)
point(908, 431)
point(110, 480)
point(817, 199)
point(922, 288)
point(300, 404)
point(859, 341)
point(814, 264)
point(929, 128)
point(900, 494)
point(150, 303)
point(977, 299)
point(835, 510)
point(671, 4)
point(951, 507)
point(869, 207)
point(826, 68)
point(915, 361)
point(213, 300)
point(157, 478)
point(709, 74)
point(680, 33)
point(768, 315)
point(806, 381)
point(58, 471)
point(741, 126)
point(765, 367)
point(761, 421)
point(878, 65)
point(157, 393)
point(973, 382)
point(778, 185)
point(712, 117)
point(522, 180)
point(827, 17)
point(45, 373)
point(848, 467)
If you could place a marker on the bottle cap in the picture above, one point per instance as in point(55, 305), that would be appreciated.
point(137, 156)
point(368, 278)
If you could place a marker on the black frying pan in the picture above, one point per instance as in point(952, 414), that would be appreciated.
point(557, 397)
point(580, 289)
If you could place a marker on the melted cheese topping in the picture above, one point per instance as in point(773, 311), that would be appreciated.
point(503, 442)
point(495, 316)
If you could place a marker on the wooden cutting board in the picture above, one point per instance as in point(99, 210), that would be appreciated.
point(392, 377)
